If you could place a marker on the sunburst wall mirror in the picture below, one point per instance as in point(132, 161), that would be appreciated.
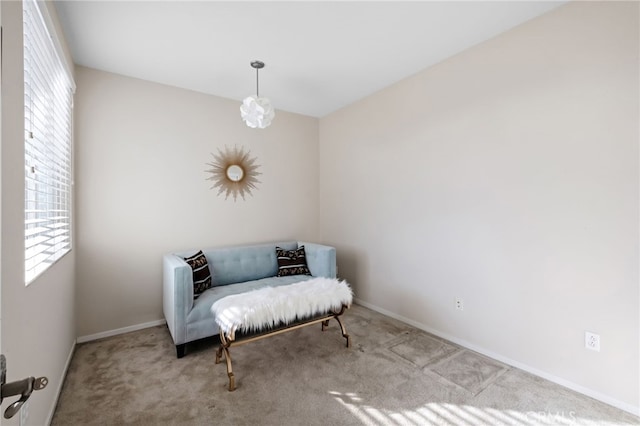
point(233, 172)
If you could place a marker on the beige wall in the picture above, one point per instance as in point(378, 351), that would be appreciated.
point(38, 321)
point(506, 176)
point(141, 153)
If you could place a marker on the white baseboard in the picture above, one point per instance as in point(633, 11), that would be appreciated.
point(63, 376)
point(109, 333)
point(558, 380)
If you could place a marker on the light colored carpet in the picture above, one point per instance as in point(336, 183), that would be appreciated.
point(393, 374)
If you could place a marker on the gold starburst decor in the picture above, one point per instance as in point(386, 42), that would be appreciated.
point(233, 172)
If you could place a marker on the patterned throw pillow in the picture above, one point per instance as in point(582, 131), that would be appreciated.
point(201, 273)
point(292, 262)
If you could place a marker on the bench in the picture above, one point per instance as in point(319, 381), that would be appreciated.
point(257, 314)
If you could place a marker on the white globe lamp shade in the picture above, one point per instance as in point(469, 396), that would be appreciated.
point(257, 112)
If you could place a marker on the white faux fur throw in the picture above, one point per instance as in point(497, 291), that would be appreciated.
point(269, 306)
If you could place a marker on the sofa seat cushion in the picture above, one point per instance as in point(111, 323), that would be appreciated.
point(202, 305)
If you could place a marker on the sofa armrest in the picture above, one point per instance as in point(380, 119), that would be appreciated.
point(321, 259)
point(177, 295)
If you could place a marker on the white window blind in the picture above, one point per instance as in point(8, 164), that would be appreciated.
point(48, 98)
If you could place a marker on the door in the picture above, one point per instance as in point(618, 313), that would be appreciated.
point(1, 188)
point(19, 391)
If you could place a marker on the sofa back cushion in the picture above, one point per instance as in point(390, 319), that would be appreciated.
point(239, 264)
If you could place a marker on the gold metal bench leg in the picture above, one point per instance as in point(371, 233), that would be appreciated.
point(344, 331)
point(232, 380)
point(224, 347)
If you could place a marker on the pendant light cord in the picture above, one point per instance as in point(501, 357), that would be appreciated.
point(257, 84)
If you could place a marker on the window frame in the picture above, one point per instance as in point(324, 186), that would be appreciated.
point(48, 149)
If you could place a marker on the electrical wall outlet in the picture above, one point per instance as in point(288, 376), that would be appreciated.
point(459, 304)
point(592, 341)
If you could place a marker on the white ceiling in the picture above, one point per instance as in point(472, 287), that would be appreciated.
point(320, 56)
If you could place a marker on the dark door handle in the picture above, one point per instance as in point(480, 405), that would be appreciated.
point(23, 387)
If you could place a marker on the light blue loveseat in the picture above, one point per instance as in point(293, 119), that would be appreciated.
point(233, 270)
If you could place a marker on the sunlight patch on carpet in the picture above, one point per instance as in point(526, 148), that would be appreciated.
point(454, 414)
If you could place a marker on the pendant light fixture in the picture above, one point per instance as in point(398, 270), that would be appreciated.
point(256, 111)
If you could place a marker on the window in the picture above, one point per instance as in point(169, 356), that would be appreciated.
point(48, 97)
